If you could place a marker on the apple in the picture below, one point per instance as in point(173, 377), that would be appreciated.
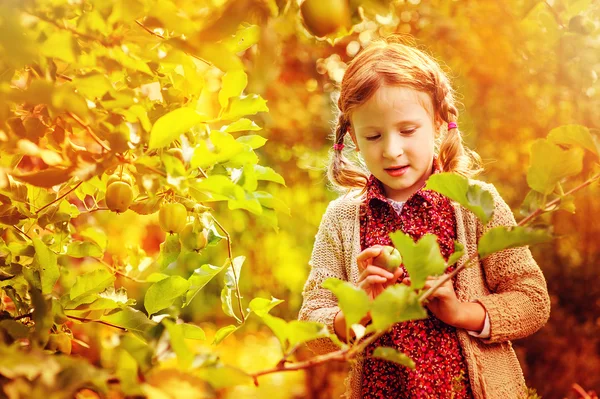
point(389, 259)
point(324, 17)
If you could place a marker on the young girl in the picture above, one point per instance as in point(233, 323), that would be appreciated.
point(398, 108)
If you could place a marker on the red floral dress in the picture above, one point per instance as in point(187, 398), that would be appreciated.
point(440, 370)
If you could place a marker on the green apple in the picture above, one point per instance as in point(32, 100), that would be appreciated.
point(324, 17)
point(389, 259)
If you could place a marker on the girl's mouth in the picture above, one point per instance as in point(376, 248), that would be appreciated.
point(399, 171)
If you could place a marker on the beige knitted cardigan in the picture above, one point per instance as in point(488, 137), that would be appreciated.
point(509, 284)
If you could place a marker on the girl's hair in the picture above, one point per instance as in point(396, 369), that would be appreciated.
point(389, 62)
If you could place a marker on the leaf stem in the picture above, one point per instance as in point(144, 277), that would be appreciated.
point(550, 204)
point(59, 198)
point(144, 27)
point(89, 130)
point(84, 320)
point(237, 287)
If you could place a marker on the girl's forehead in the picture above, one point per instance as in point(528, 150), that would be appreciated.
point(395, 101)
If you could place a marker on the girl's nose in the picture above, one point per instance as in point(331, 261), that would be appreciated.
point(393, 147)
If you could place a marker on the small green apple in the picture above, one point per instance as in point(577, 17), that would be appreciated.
point(389, 259)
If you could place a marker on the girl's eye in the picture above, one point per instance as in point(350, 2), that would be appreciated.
point(408, 132)
point(371, 138)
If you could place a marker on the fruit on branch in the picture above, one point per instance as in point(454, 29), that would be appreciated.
point(119, 196)
point(389, 259)
point(193, 237)
point(172, 217)
point(323, 17)
point(124, 177)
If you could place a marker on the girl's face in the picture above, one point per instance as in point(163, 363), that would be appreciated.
point(395, 128)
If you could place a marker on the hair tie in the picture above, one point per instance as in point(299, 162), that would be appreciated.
point(452, 125)
point(339, 146)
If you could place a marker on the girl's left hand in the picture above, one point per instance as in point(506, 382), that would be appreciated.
point(443, 303)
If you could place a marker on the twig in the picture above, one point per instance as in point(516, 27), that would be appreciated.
point(104, 42)
point(237, 288)
point(554, 14)
point(539, 211)
point(84, 320)
point(115, 271)
point(59, 198)
point(332, 356)
point(22, 232)
point(89, 130)
point(144, 27)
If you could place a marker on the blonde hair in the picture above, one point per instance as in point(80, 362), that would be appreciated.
point(390, 62)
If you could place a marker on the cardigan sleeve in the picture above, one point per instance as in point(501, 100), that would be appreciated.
point(320, 304)
point(519, 304)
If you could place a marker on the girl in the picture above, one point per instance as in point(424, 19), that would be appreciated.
point(398, 108)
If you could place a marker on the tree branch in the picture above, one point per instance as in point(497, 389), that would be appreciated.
point(59, 198)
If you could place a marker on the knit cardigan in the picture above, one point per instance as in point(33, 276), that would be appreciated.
point(509, 284)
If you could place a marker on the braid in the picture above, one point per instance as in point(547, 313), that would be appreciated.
point(453, 155)
point(343, 173)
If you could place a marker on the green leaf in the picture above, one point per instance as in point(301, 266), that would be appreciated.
point(393, 355)
point(299, 332)
point(91, 283)
point(46, 262)
point(262, 306)
point(241, 125)
point(503, 237)
point(92, 85)
point(279, 328)
point(200, 278)
point(163, 293)
point(243, 39)
point(266, 173)
point(233, 84)
point(253, 140)
point(46, 178)
point(232, 276)
point(218, 188)
point(223, 376)
point(422, 259)
point(192, 331)
point(550, 164)
point(223, 333)
point(573, 135)
point(172, 125)
point(130, 319)
point(176, 337)
point(459, 251)
point(242, 106)
point(15, 329)
point(95, 234)
point(353, 301)
point(268, 201)
point(60, 44)
point(81, 249)
point(227, 303)
point(458, 188)
point(169, 250)
point(396, 304)
point(147, 206)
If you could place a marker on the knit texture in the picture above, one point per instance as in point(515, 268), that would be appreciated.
point(509, 284)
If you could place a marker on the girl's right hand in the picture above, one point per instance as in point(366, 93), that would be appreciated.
point(374, 279)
